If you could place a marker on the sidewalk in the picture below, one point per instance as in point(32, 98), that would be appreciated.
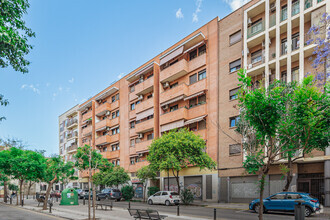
point(81, 212)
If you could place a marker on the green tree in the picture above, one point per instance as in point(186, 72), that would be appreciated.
point(116, 177)
point(128, 192)
point(3, 102)
point(26, 165)
point(280, 121)
point(56, 171)
point(177, 150)
point(5, 171)
point(145, 173)
point(91, 160)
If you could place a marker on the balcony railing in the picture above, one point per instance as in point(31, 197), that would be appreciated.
point(71, 122)
point(72, 134)
point(272, 20)
point(256, 29)
point(72, 148)
point(284, 14)
point(308, 4)
point(295, 8)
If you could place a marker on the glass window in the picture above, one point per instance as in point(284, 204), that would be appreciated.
point(278, 196)
point(256, 26)
point(174, 85)
point(157, 194)
point(295, 41)
point(293, 196)
point(149, 76)
point(202, 99)
point(236, 37)
point(193, 78)
point(201, 125)
point(233, 121)
point(193, 127)
point(284, 46)
point(283, 76)
point(193, 54)
point(235, 65)
point(132, 124)
point(132, 106)
point(234, 149)
point(150, 136)
point(173, 108)
point(202, 75)
point(233, 94)
point(132, 142)
point(117, 113)
point(201, 50)
point(164, 194)
point(149, 96)
point(295, 74)
point(256, 57)
point(113, 115)
point(192, 102)
point(113, 98)
point(132, 88)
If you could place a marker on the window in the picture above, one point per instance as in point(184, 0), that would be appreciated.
point(202, 99)
point(234, 149)
point(133, 174)
point(284, 13)
point(234, 38)
point(173, 108)
point(157, 194)
point(256, 56)
point(132, 161)
point(115, 131)
point(202, 75)
point(132, 106)
point(113, 115)
point(201, 125)
point(117, 113)
point(233, 121)
point(278, 196)
point(193, 78)
point(104, 133)
point(149, 96)
point(283, 76)
point(113, 98)
point(192, 54)
point(174, 85)
point(132, 124)
point(132, 88)
point(293, 196)
point(137, 102)
point(295, 41)
point(149, 76)
point(164, 193)
point(118, 162)
point(193, 127)
point(235, 65)
point(256, 26)
point(192, 102)
point(132, 142)
point(117, 96)
point(284, 46)
point(201, 50)
point(295, 74)
point(233, 94)
point(150, 136)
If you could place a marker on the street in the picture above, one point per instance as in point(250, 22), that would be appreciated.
point(12, 212)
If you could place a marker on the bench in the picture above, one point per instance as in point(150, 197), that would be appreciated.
point(104, 203)
point(40, 200)
point(146, 214)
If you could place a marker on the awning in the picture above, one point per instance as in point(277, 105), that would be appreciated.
point(117, 126)
point(172, 100)
point(171, 55)
point(117, 142)
point(194, 95)
point(143, 70)
point(193, 47)
point(195, 120)
point(88, 104)
point(101, 129)
point(142, 151)
point(144, 114)
point(173, 125)
point(107, 93)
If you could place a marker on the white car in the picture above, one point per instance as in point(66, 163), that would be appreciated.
point(164, 197)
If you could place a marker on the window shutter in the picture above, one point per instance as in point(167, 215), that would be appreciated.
point(236, 37)
point(235, 63)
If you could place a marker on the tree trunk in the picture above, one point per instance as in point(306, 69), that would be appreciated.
point(288, 175)
point(50, 185)
point(177, 179)
point(16, 198)
point(144, 191)
point(29, 189)
point(168, 180)
point(94, 199)
point(20, 191)
point(5, 192)
point(261, 195)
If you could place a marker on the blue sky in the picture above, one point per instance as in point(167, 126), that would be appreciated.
point(81, 47)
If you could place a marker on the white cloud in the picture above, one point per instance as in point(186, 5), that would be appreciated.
point(31, 87)
point(121, 75)
point(71, 80)
point(48, 84)
point(60, 89)
point(179, 14)
point(235, 4)
point(198, 9)
point(54, 94)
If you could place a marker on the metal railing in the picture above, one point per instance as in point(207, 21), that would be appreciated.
point(284, 14)
point(295, 8)
point(272, 20)
point(256, 29)
point(72, 147)
point(308, 4)
point(72, 134)
point(71, 122)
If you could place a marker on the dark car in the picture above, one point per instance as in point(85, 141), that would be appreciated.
point(285, 201)
point(81, 193)
point(86, 194)
point(109, 193)
point(55, 194)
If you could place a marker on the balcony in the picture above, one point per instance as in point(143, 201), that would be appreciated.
point(132, 96)
point(134, 168)
point(177, 91)
point(87, 131)
point(114, 138)
point(142, 146)
point(103, 140)
point(72, 149)
point(256, 29)
point(102, 109)
point(272, 20)
point(132, 132)
point(132, 114)
point(111, 154)
point(168, 117)
point(181, 68)
point(145, 87)
point(197, 111)
point(87, 116)
point(132, 150)
point(202, 133)
point(144, 126)
point(106, 123)
point(72, 123)
point(295, 8)
point(197, 87)
point(144, 105)
point(72, 135)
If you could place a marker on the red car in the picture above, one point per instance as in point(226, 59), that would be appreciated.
point(55, 194)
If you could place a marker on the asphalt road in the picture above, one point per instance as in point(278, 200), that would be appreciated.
point(11, 212)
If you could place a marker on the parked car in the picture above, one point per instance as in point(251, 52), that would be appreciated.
point(164, 197)
point(285, 201)
point(82, 193)
point(86, 194)
point(55, 194)
point(109, 193)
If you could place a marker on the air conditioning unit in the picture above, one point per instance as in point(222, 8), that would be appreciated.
point(140, 154)
point(107, 113)
point(140, 136)
point(165, 107)
point(250, 66)
point(272, 7)
point(140, 97)
point(166, 85)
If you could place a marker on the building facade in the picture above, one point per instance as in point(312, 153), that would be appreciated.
point(268, 39)
point(68, 141)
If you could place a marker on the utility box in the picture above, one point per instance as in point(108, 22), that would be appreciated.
point(69, 197)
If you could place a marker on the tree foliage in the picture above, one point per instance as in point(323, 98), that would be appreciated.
point(145, 173)
point(116, 177)
point(187, 197)
point(177, 150)
point(127, 192)
point(281, 122)
point(97, 161)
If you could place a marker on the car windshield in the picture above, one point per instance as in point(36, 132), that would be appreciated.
point(174, 193)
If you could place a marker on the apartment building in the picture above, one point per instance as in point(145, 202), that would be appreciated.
point(172, 90)
point(268, 39)
point(68, 141)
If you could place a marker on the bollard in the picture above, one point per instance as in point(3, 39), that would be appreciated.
point(215, 214)
point(299, 210)
point(27, 196)
point(178, 210)
point(84, 200)
point(129, 204)
point(50, 207)
point(11, 200)
point(22, 202)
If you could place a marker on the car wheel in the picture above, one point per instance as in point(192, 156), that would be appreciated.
point(97, 198)
point(256, 207)
point(167, 203)
point(118, 200)
point(150, 202)
point(308, 211)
